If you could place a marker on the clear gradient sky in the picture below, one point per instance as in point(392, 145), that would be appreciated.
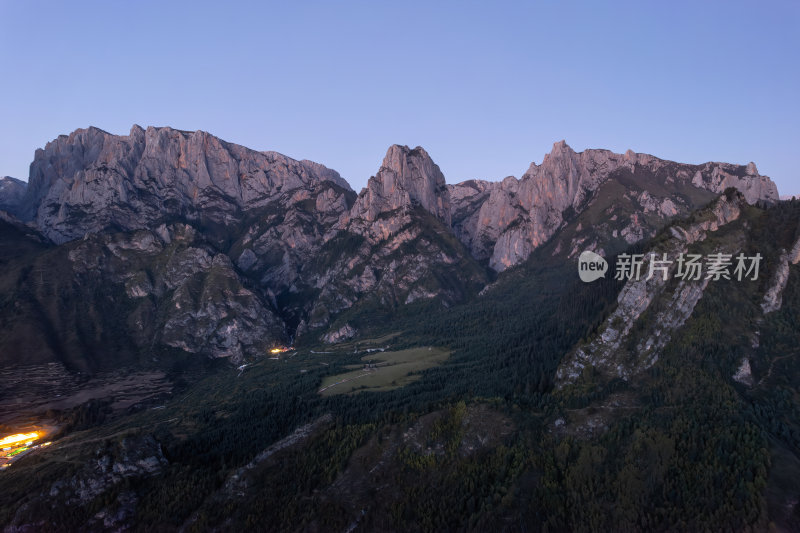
point(485, 87)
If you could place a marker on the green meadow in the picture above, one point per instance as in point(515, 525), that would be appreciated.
point(384, 371)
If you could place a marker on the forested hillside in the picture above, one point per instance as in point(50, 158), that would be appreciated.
point(481, 441)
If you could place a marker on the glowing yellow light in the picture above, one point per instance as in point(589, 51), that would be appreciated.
point(47, 444)
point(275, 350)
point(19, 437)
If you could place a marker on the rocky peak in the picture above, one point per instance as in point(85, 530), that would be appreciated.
point(565, 177)
point(561, 151)
point(406, 177)
point(91, 180)
point(137, 131)
point(717, 177)
point(400, 242)
point(506, 221)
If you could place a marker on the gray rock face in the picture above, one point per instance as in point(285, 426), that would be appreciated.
point(717, 177)
point(314, 248)
point(227, 320)
point(505, 221)
point(400, 242)
point(668, 305)
point(12, 191)
point(343, 333)
point(483, 211)
point(293, 227)
point(92, 180)
point(394, 246)
point(106, 472)
point(278, 246)
point(204, 307)
point(744, 373)
point(406, 177)
point(773, 298)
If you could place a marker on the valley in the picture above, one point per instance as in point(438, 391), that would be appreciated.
point(240, 341)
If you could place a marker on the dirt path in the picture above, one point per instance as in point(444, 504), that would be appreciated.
point(323, 389)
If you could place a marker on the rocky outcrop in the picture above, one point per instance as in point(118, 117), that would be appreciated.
point(133, 457)
point(310, 248)
point(183, 293)
point(716, 177)
point(407, 177)
point(505, 221)
point(225, 320)
point(394, 246)
point(91, 180)
point(773, 298)
point(668, 304)
point(342, 334)
point(12, 191)
point(744, 373)
point(400, 241)
point(483, 211)
point(279, 246)
point(295, 228)
point(109, 474)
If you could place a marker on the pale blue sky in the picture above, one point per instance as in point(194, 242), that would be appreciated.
point(485, 87)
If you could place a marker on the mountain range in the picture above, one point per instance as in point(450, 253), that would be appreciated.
point(163, 213)
point(218, 338)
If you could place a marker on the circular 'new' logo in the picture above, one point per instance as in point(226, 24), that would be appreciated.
point(591, 266)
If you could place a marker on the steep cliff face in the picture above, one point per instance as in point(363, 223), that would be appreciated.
point(633, 196)
point(323, 254)
point(314, 249)
point(395, 246)
point(116, 299)
point(268, 213)
point(483, 211)
point(406, 177)
point(294, 228)
point(91, 180)
point(183, 292)
point(773, 298)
